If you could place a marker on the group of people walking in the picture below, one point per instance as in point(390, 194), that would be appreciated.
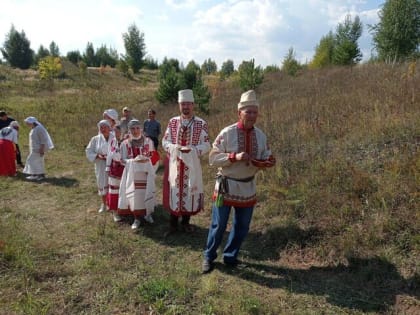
point(125, 166)
point(39, 143)
point(126, 159)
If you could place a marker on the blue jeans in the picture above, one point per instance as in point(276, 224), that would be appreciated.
point(240, 227)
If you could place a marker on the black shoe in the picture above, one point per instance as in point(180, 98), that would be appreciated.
point(207, 266)
point(233, 264)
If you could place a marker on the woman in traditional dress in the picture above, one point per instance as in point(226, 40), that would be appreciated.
point(96, 152)
point(115, 168)
point(39, 143)
point(8, 142)
point(137, 188)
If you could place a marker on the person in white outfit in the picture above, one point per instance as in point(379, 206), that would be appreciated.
point(96, 152)
point(39, 143)
point(137, 186)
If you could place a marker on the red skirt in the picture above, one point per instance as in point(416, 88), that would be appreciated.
point(7, 158)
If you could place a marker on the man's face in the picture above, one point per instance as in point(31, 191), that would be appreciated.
point(4, 117)
point(248, 116)
point(126, 113)
point(151, 115)
point(186, 109)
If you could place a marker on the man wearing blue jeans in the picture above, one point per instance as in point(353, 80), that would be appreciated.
point(239, 151)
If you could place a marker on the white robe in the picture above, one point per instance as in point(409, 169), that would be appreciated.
point(35, 163)
point(137, 198)
point(99, 145)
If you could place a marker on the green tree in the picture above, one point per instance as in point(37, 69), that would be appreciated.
point(150, 63)
point(323, 52)
point(250, 77)
point(74, 56)
point(290, 65)
point(201, 94)
point(397, 35)
point(271, 68)
point(346, 50)
point(192, 79)
point(54, 50)
point(190, 75)
point(135, 48)
point(17, 49)
point(169, 81)
point(41, 53)
point(209, 67)
point(89, 57)
point(106, 57)
point(227, 69)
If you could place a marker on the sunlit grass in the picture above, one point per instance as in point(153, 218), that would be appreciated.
point(336, 229)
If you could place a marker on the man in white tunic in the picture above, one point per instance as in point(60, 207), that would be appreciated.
point(39, 143)
point(239, 151)
point(185, 140)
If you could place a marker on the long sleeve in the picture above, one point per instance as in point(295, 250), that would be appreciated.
point(91, 151)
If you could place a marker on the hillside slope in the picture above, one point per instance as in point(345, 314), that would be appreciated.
point(336, 230)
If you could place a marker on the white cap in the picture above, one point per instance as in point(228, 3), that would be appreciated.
point(185, 96)
point(248, 99)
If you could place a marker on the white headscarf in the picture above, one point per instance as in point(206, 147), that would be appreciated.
point(32, 120)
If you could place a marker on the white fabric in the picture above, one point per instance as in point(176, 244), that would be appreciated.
point(38, 136)
point(192, 161)
point(9, 133)
point(44, 139)
point(248, 98)
point(34, 164)
point(185, 96)
point(112, 113)
point(99, 145)
point(137, 199)
point(232, 139)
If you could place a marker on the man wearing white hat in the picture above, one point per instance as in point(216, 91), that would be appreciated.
point(239, 151)
point(185, 140)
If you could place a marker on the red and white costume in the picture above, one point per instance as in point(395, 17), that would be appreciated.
point(182, 179)
point(137, 186)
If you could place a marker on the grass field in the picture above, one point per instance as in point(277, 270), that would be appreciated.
point(336, 229)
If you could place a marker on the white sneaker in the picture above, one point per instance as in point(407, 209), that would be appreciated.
point(117, 217)
point(136, 224)
point(149, 218)
point(102, 208)
point(32, 177)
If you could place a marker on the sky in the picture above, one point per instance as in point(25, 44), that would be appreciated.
point(238, 30)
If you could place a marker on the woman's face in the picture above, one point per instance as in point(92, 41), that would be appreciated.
point(104, 129)
point(135, 131)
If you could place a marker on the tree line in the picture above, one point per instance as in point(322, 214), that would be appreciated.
point(396, 38)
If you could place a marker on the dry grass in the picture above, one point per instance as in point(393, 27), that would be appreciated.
point(336, 230)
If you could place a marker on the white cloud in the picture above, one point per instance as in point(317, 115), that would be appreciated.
point(189, 29)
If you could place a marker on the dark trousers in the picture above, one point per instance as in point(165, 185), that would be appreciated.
point(18, 155)
point(173, 221)
point(155, 142)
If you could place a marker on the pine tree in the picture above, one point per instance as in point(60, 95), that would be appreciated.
point(250, 76)
point(346, 50)
point(17, 49)
point(290, 65)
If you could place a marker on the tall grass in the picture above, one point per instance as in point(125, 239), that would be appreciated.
point(336, 229)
